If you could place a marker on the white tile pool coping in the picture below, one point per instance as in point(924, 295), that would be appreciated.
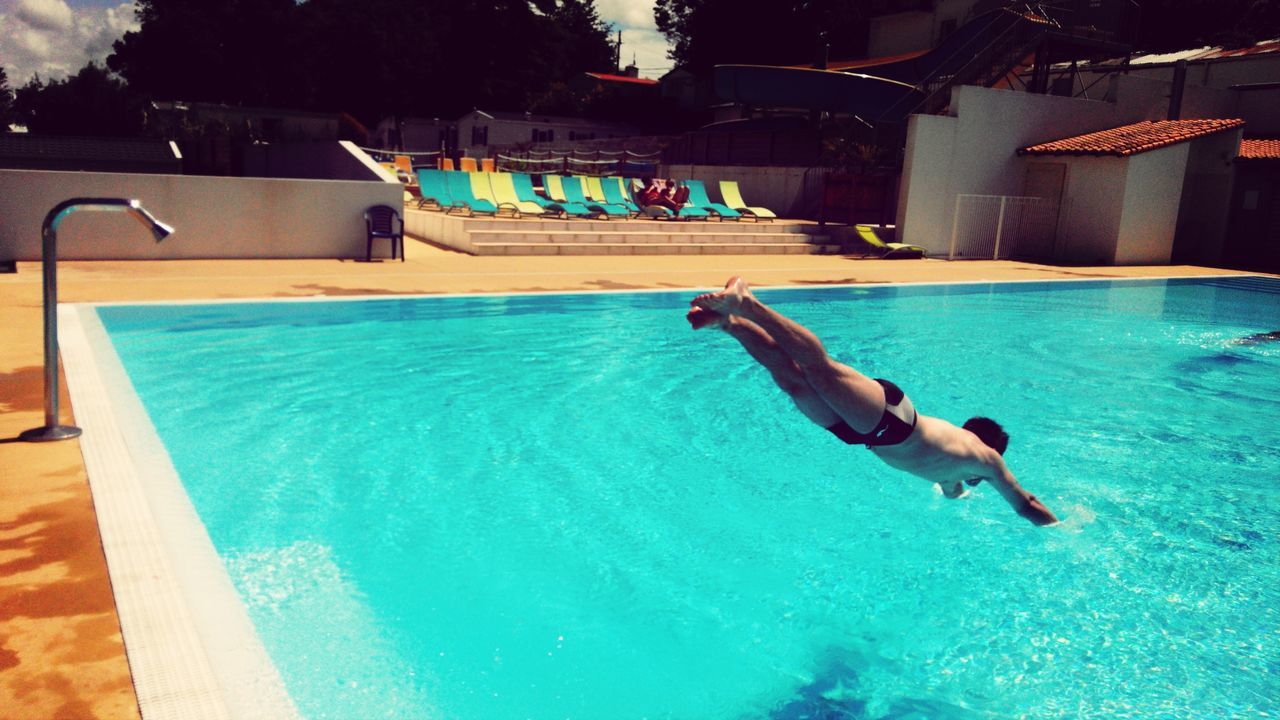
point(192, 649)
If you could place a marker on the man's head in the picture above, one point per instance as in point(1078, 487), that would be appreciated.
point(989, 432)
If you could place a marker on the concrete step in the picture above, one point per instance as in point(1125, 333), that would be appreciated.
point(530, 224)
point(630, 236)
point(674, 248)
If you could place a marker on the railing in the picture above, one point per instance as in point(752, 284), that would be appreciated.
point(987, 64)
point(991, 227)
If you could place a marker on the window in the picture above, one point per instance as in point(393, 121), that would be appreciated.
point(544, 135)
point(479, 135)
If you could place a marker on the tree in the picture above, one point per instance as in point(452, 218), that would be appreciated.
point(6, 102)
point(795, 33)
point(91, 102)
point(1167, 25)
point(371, 58)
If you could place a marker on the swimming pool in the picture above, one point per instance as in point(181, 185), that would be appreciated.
point(572, 506)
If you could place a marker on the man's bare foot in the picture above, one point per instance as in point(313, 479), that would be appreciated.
point(702, 317)
point(728, 300)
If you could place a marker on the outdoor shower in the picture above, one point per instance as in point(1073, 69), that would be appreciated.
point(49, 265)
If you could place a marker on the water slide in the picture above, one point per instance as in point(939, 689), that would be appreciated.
point(885, 91)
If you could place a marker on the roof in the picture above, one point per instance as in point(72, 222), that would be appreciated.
point(1133, 139)
point(864, 62)
point(539, 119)
point(55, 152)
point(1260, 149)
point(1201, 54)
point(622, 79)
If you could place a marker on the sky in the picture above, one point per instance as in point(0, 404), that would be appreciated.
point(57, 37)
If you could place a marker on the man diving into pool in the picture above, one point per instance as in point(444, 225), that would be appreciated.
point(862, 411)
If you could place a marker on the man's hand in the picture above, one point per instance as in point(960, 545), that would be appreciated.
point(1033, 510)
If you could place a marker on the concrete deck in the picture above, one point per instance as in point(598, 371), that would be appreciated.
point(61, 655)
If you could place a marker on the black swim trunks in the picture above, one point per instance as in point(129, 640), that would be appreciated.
point(895, 426)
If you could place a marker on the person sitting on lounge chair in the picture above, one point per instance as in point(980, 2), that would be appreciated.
point(861, 411)
point(654, 194)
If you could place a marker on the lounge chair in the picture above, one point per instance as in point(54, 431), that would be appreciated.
point(402, 162)
point(575, 191)
point(888, 251)
point(482, 188)
point(525, 192)
point(487, 165)
point(732, 197)
point(433, 188)
point(568, 189)
point(468, 164)
point(698, 198)
point(460, 191)
point(504, 193)
point(596, 191)
point(615, 192)
point(382, 221)
point(446, 163)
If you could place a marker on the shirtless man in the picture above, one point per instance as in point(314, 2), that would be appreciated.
point(862, 411)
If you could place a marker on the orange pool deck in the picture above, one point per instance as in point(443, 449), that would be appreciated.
point(61, 654)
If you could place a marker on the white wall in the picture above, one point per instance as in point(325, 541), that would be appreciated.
point(214, 217)
point(1092, 207)
point(1206, 207)
point(1153, 191)
point(775, 188)
point(974, 150)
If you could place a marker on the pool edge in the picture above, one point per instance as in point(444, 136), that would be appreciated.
point(191, 648)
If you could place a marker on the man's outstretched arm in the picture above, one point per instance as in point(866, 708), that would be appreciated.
point(1023, 502)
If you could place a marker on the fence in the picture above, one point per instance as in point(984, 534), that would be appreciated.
point(580, 162)
point(1003, 226)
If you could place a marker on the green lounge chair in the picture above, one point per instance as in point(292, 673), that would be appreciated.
point(888, 251)
point(504, 192)
point(698, 198)
point(596, 192)
point(568, 188)
point(524, 190)
point(615, 192)
point(460, 190)
point(482, 188)
point(732, 197)
point(433, 190)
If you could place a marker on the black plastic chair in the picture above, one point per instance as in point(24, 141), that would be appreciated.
point(383, 221)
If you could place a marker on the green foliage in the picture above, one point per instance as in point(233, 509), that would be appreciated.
point(371, 58)
point(703, 33)
point(6, 102)
point(91, 102)
point(1168, 25)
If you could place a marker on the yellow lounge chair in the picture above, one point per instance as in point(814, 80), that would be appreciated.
point(888, 251)
point(732, 197)
point(504, 192)
point(482, 188)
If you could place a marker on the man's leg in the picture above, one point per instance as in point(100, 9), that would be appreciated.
point(856, 398)
point(786, 374)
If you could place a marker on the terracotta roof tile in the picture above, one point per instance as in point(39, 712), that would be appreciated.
point(1133, 139)
point(1260, 149)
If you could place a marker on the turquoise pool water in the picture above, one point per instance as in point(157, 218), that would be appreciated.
point(572, 506)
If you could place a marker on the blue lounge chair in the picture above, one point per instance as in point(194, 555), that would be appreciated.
point(569, 188)
point(698, 198)
point(524, 190)
point(460, 190)
point(434, 189)
point(615, 193)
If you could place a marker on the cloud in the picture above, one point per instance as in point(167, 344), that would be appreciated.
point(44, 14)
point(640, 37)
point(49, 38)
